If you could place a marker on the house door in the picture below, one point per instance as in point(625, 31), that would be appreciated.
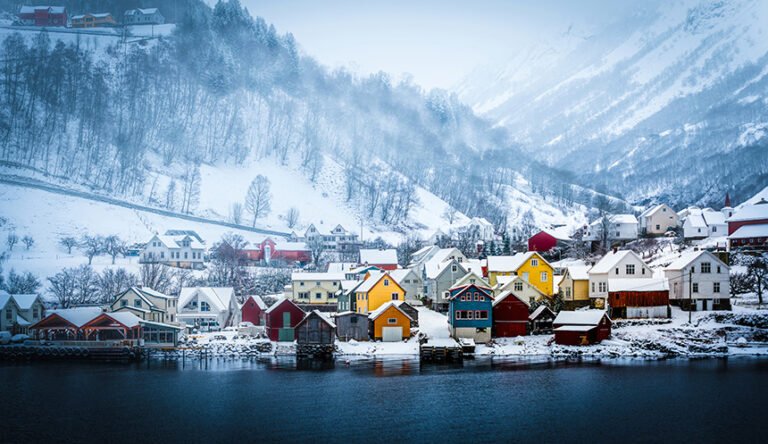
point(704, 304)
point(392, 334)
point(287, 319)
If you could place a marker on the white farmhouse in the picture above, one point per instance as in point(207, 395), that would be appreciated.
point(207, 308)
point(700, 224)
point(145, 16)
point(183, 251)
point(623, 264)
point(699, 280)
point(621, 227)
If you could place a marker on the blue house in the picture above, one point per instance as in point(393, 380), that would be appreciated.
point(471, 312)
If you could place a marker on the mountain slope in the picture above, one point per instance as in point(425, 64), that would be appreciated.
point(667, 104)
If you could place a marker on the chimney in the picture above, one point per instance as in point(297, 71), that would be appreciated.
point(615, 250)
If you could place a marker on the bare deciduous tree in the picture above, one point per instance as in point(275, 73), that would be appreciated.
point(292, 217)
point(114, 246)
point(68, 242)
point(28, 241)
point(12, 240)
point(258, 199)
point(91, 246)
point(236, 213)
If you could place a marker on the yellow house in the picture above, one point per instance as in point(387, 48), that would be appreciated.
point(389, 323)
point(377, 289)
point(530, 266)
point(575, 285)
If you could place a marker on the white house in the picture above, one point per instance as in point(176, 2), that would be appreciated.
point(699, 280)
point(147, 304)
point(207, 308)
point(412, 282)
point(19, 311)
point(621, 227)
point(658, 220)
point(184, 251)
point(145, 16)
point(700, 224)
point(339, 239)
point(622, 264)
point(481, 228)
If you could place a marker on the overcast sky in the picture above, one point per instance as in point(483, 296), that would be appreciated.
point(436, 41)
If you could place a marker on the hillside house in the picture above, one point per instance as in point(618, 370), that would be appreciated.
point(748, 227)
point(93, 20)
point(351, 325)
point(574, 287)
point(281, 320)
point(530, 266)
point(43, 15)
point(700, 224)
point(339, 239)
point(479, 228)
point(657, 220)
point(269, 252)
point(471, 312)
point(143, 16)
point(547, 239)
point(616, 264)
point(253, 310)
point(147, 304)
point(182, 251)
point(510, 315)
point(412, 283)
point(389, 323)
point(581, 327)
point(699, 280)
point(207, 308)
point(315, 288)
point(377, 290)
point(522, 289)
point(638, 298)
point(621, 227)
point(380, 258)
point(20, 311)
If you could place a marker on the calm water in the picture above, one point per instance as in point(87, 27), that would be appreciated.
point(386, 401)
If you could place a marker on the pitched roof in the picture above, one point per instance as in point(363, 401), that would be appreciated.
point(305, 276)
point(319, 314)
point(279, 302)
point(464, 280)
point(379, 311)
point(539, 310)
point(128, 319)
point(579, 273)
point(24, 301)
point(504, 295)
point(375, 256)
point(372, 280)
point(32, 9)
point(559, 233)
point(750, 231)
point(152, 292)
point(629, 284)
point(689, 256)
point(511, 263)
point(623, 219)
point(259, 301)
point(713, 217)
point(650, 211)
point(750, 212)
point(219, 297)
point(581, 317)
point(340, 267)
point(78, 316)
point(175, 241)
point(610, 260)
point(4, 298)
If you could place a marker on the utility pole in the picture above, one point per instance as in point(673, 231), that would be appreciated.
point(690, 294)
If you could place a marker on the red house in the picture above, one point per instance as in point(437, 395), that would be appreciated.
point(43, 15)
point(281, 320)
point(581, 327)
point(546, 240)
point(510, 316)
point(253, 310)
point(269, 251)
point(748, 227)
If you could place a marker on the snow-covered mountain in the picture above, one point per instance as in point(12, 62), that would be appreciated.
point(670, 103)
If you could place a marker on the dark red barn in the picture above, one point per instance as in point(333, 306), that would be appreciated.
point(281, 320)
point(581, 327)
point(510, 316)
point(546, 240)
point(253, 310)
point(269, 251)
point(43, 15)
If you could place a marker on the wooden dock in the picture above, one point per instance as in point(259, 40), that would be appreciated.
point(441, 350)
point(66, 352)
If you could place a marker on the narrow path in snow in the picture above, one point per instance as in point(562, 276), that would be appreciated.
point(434, 324)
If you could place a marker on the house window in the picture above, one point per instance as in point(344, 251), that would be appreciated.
point(137, 303)
point(617, 270)
point(482, 298)
point(353, 320)
point(386, 282)
point(392, 321)
point(544, 277)
point(534, 262)
point(301, 284)
point(395, 296)
point(162, 255)
point(630, 268)
point(318, 295)
point(458, 314)
point(602, 286)
point(643, 270)
point(462, 297)
point(35, 313)
point(454, 268)
point(204, 306)
point(567, 292)
point(468, 314)
point(317, 284)
point(123, 303)
point(718, 269)
point(658, 227)
point(695, 287)
point(593, 287)
point(716, 287)
point(714, 229)
point(706, 267)
point(185, 255)
point(481, 314)
point(519, 286)
point(9, 314)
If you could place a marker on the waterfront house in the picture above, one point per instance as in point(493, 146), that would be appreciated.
point(411, 311)
point(253, 310)
point(574, 287)
point(583, 327)
point(376, 290)
point(616, 264)
point(351, 325)
point(510, 315)
point(530, 266)
point(315, 329)
point(412, 284)
point(65, 324)
point(19, 311)
point(471, 312)
point(540, 321)
point(389, 323)
point(147, 304)
point(207, 308)
point(522, 289)
point(699, 280)
point(315, 289)
point(281, 320)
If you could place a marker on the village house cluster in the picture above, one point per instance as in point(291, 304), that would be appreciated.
point(58, 16)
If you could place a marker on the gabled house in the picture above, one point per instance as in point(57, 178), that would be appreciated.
point(93, 20)
point(269, 251)
point(583, 327)
point(207, 308)
point(748, 226)
point(658, 219)
point(147, 304)
point(315, 288)
point(699, 280)
point(621, 227)
point(19, 311)
point(471, 312)
point(412, 283)
point(9, 312)
point(389, 323)
point(281, 320)
point(471, 278)
point(351, 325)
point(439, 277)
point(339, 239)
point(548, 239)
point(346, 296)
point(143, 16)
point(540, 321)
point(183, 251)
point(530, 266)
point(574, 287)
point(253, 310)
point(377, 290)
point(381, 258)
point(522, 289)
point(315, 329)
point(479, 228)
point(700, 224)
point(510, 315)
point(43, 15)
point(616, 264)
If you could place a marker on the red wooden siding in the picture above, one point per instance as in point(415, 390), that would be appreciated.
point(541, 241)
point(620, 299)
point(510, 318)
point(274, 318)
point(251, 312)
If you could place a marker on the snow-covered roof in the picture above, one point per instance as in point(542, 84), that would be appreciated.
point(96, 15)
point(575, 327)
point(24, 301)
point(259, 302)
point(379, 311)
point(581, 317)
point(304, 276)
point(539, 310)
point(508, 293)
point(78, 316)
point(340, 267)
point(126, 318)
point(373, 278)
point(32, 9)
point(375, 257)
point(322, 317)
point(152, 292)
point(175, 241)
point(623, 219)
point(750, 231)
point(579, 273)
point(610, 260)
point(400, 274)
point(279, 301)
point(689, 256)
point(510, 263)
point(696, 220)
point(465, 280)
point(22, 321)
point(750, 212)
point(559, 233)
point(651, 284)
point(713, 217)
point(4, 298)
point(219, 297)
point(137, 11)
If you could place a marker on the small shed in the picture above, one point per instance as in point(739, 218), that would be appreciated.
point(541, 320)
point(281, 319)
point(389, 323)
point(253, 310)
point(315, 329)
point(581, 327)
point(351, 325)
point(510, 316)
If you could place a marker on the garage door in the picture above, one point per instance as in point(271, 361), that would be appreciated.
point(392, 334)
